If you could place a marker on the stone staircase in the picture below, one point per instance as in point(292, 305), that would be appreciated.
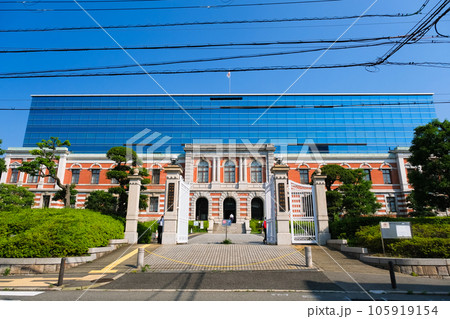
point(235, 228)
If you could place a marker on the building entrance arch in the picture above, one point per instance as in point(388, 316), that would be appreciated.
point(201, 209)
point(229, 207)
point(257, 206)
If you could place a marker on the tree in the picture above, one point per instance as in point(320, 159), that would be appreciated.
point(2, 160)
point(61, 194)
point(353, 196)
point(430, 154)
point(45, 165)
point(126, 160)
point(15, 196)
point(101, 201)
point(357, 198)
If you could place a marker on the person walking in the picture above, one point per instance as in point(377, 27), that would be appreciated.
point(232, 218)
point(265, 231)
point(160, 229)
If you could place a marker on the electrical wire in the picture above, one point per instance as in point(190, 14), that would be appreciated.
point(226, 70)
point(202, 23)
point(208, 59)
point(220, 6)
point(196, 46)
point(420, 29)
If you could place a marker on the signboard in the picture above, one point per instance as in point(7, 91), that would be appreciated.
point(170, 197)
point(196, 223)
point(395, 230)
point(281, 197)
point(226, 222)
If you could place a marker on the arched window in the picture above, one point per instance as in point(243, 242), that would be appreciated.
point(203, 172)
point(256, 172)
point(229, 172)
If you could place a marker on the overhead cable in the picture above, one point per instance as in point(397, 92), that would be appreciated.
point(201, 23)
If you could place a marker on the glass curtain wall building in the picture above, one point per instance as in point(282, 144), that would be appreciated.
point(333, 123)
point(226, 144)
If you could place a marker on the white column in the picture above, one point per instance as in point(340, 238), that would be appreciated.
point(5, 174)
point(62, 168)
point(218, 170)
point(240, 170)
point(320, 199)
point(244, 169)
point(402, 172)
point(131, 234)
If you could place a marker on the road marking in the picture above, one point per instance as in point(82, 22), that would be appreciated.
point(109, 269)
point(41, 281)
point(21, 293)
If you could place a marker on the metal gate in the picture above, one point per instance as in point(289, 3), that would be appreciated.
point(269, 206)
point(183, 212)
point(302, 213)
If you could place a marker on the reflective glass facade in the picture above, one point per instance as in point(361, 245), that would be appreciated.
point(340, 123)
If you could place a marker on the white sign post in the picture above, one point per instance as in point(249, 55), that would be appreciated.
point(394, 230)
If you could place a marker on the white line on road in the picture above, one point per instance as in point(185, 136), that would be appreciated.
point(21, 293)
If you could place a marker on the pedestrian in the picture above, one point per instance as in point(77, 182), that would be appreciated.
point(232, 218)
point(160, 229)
point(265, 231)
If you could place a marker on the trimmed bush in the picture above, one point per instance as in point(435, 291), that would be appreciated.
point(145, 231)
point(256, 226)
point(39, 233)
point(13, 196)
point(429, 241)
point(196, 229)
point(347, 227)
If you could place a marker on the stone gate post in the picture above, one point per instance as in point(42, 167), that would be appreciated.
point(280, 172)
point(131, 234)
point(320, 203)
point(173, 172)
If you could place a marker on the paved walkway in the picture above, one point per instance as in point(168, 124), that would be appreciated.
point(206, 254)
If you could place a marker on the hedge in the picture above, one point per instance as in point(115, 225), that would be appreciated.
point(43, 233)
point(429, 241)
point(347, 227)
point(197, 229)
point(145, 231)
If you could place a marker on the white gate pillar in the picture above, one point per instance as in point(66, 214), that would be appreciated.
point(173, 172)
point(320, 202)
point(134, 193)
point(280, 173)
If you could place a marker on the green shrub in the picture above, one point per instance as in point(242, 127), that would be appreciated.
point(65, 232)
point(347, 227)
point(256, 226)
point(197, 229)
point(13, 196)
point(429, 241)
point(145, 231)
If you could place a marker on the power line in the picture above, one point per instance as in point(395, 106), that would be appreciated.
point(71, 1)
point(205, 59)
point(201, 45)
point(201, 23)
point(420, 29)
point(174, 7)
point(225, 70)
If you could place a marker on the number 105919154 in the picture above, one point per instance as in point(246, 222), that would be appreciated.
point(417, 310)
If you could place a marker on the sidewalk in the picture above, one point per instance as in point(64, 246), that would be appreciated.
point(246, 257)
point(93, 274)
point(344, 271)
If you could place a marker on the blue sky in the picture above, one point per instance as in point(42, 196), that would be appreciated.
point(15, 93)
